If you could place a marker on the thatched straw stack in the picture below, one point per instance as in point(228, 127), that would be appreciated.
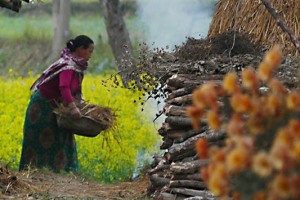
point(251, 16)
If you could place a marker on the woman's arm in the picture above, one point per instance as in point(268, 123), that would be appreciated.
point(65, 85)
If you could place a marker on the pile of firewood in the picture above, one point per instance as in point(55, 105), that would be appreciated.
point(176, 174)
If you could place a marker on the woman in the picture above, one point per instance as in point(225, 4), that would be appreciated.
point(44, 143)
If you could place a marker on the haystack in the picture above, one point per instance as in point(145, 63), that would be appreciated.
point(251, 17)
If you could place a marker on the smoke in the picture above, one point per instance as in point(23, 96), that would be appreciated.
point(166, 23)
point(170, 22)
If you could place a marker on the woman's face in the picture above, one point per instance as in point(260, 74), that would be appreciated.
point(86, 53)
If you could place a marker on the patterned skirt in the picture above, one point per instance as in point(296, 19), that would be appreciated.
point(44, 143)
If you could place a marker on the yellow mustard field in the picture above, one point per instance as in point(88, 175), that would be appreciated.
point(111, 156)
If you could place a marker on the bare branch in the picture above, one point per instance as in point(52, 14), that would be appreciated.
point(281, 24)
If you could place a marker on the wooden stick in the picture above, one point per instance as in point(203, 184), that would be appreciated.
point(188, 167)
point(187, 99)
point(188, 184)
point(195, 176)
point(159, 181)
point(173, 110)
point(190, 192)
point(281, 24)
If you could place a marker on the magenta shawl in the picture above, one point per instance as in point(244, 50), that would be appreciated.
point(66, 61)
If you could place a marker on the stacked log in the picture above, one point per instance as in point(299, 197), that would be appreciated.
point(175, 175)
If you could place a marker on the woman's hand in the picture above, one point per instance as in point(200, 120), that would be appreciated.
point(74, 110)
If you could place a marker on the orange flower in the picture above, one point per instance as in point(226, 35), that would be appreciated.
point(283, 138)
point(281, 157)
point(198, 98)
point(260, 195)
point(274, 57)
point(281, 186)
point(241, 103)
point(237, 160)
point(295, 182)
point(294, 126)
point(206, 96)
point(277, 87)
point(235, 126)
point(218, 155)
point(256, 122)
point(209, 90)
point(245, 143)
point(250, 80)
point(296, 151)
point(217, 182)
point(264, 71)
point(195, 114)
point(293, 100)
point(261, 164)
point(214, 120)
point(275, 106)
point(204, 174)
point(230, 82)
point(202, 148)
point(236, 196)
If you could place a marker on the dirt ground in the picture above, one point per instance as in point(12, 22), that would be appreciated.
point(41, 184)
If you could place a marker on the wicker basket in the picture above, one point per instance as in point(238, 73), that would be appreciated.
point(84, 126)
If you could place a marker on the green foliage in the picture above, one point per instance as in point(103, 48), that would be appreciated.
point(31, 39)
point(111, 156)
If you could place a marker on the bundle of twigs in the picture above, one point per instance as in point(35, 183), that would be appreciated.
point(103, 115)
point(251, 16)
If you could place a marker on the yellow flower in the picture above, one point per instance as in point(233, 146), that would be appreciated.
point(261, 164)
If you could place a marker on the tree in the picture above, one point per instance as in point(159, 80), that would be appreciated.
point(61, 19)
point(14, 5)
point(118, 37)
